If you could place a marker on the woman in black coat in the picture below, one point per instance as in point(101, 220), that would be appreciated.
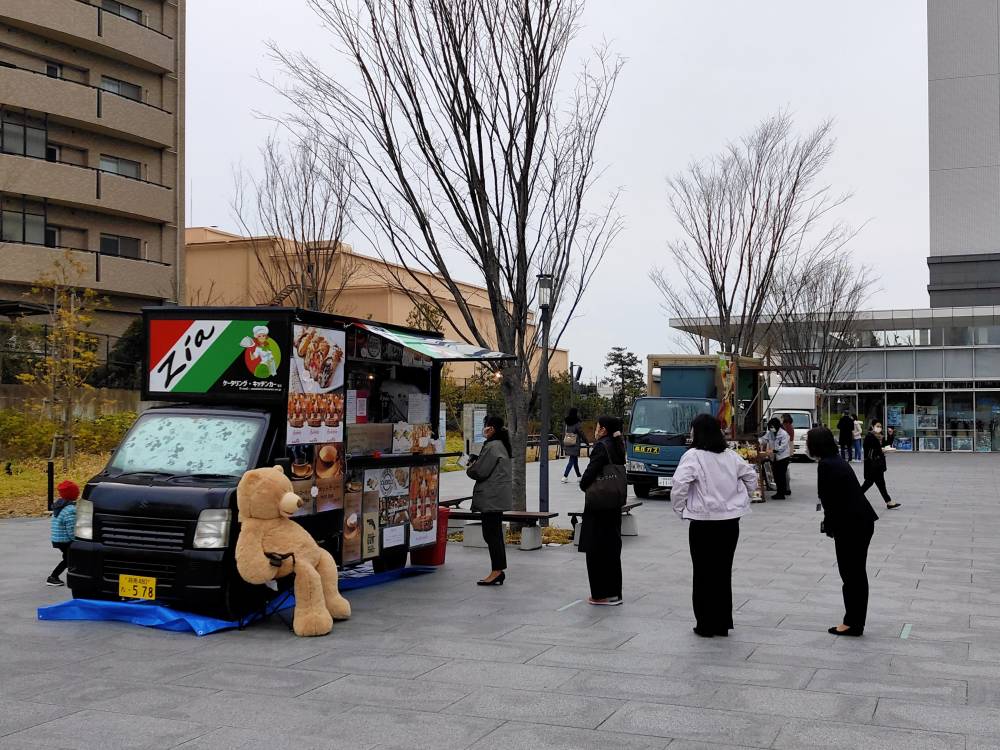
point(850, 520)
point(601, 535)
point(875, 464)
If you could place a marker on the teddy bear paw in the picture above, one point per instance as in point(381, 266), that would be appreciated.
point(339, 608)
point(312, 623)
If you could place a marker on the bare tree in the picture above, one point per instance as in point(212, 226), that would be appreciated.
point(746, 212)
point(472, 153)
point(813, 318)
point(297, 213)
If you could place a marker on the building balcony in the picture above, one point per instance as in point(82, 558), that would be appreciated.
point(84, 106)
point(80, 24)
point(108, 274)
point(84, 187)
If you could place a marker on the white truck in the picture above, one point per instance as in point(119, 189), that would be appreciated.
point(800, 403)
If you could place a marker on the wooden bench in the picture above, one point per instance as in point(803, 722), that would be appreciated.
point(454, 502)
point(629, 525)
point(531, 532)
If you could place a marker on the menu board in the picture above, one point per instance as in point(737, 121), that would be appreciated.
point(352, 528)
point(423, 505)
point(412, 438)
point(216, 357)
point(316, 386)
point(370, 546)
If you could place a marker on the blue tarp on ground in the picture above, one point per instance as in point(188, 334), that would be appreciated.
point(152, 615)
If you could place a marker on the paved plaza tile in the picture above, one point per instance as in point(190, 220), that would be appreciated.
point(436, 662)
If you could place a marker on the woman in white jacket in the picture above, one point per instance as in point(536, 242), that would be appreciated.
point(712, 488)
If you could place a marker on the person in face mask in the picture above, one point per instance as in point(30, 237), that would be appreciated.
point(875, 465)
point(781, 449)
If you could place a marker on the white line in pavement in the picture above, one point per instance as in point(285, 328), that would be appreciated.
point(567, 606)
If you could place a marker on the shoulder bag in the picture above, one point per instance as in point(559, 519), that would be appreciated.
point(609, 491)
point(569, 439)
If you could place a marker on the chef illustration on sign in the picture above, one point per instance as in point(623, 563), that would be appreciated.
point(262, 353)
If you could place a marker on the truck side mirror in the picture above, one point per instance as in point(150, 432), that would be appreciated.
point(285, 464)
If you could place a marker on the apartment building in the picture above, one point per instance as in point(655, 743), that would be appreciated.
point(92, 148)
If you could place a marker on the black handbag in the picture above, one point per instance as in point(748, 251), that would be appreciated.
point(609, 491)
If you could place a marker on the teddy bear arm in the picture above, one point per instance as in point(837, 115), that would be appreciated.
point(251, 560)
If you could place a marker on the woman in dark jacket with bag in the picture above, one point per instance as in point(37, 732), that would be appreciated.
point(850, 520)
point(492, 494)
point(601, 535)
point(875, 465)
point(573, 438)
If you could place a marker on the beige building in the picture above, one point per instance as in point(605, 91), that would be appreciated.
point(92, 148)
point(222, 269)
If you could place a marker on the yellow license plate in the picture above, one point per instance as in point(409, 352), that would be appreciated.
point(136, 587)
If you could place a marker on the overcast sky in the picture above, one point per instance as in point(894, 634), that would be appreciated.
point(697, 74)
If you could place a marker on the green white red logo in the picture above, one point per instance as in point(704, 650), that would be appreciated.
point(198, 356)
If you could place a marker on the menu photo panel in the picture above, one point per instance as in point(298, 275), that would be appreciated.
point(316, 407)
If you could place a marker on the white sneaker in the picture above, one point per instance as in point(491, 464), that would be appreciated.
point(565, 480)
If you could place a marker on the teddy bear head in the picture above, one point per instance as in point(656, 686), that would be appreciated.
point(266, 494)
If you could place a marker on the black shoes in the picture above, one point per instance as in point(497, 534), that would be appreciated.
point(852, 632)
point(893, 506)
point(53, 581)
point(498, 581)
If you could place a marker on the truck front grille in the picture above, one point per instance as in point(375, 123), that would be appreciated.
point(164, 573)
point(142, 533)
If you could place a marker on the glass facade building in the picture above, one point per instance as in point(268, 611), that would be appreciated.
point(932, 375)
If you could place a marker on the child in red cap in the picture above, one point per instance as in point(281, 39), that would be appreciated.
point(63, 525)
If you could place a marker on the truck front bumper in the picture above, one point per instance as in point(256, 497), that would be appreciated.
point(190, 579)
point(661, 478)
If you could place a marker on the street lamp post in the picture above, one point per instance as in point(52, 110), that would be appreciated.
point(545, 305)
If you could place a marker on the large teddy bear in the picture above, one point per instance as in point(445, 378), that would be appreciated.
point(271, 546)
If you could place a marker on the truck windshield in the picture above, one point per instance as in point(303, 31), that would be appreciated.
point(666, 416)
point(184, 444)
point(801, 420)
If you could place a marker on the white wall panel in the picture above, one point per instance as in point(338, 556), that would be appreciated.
point(962, 38)
point(965, 211)
point(964, 122)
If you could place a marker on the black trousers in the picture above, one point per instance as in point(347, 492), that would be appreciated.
point(601, 540)
point(781, 476)
point(493, 535)
point(878, 480)
point(846, 450)
point(63, 564)
point(852, 554)
point(573, 464)
point(713, 546)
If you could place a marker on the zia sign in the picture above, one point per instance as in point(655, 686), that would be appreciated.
point(204, 357)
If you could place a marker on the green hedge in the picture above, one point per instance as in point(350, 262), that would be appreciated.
point(30, 435)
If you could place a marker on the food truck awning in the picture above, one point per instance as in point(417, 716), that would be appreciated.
point(441, 349)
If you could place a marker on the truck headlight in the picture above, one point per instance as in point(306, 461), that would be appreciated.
point(84, 528)
point(212, 531)
point(635, 466)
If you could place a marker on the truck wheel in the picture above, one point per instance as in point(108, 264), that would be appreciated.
point(241, 599)
point(641, 490)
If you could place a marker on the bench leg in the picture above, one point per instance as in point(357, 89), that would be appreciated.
point(629, 526)
point(472, 535)
point(531, 537)
point(576, 533)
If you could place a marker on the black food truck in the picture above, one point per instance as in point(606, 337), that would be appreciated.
point(350, 408)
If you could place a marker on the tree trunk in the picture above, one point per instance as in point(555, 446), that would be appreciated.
point(515, 398)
